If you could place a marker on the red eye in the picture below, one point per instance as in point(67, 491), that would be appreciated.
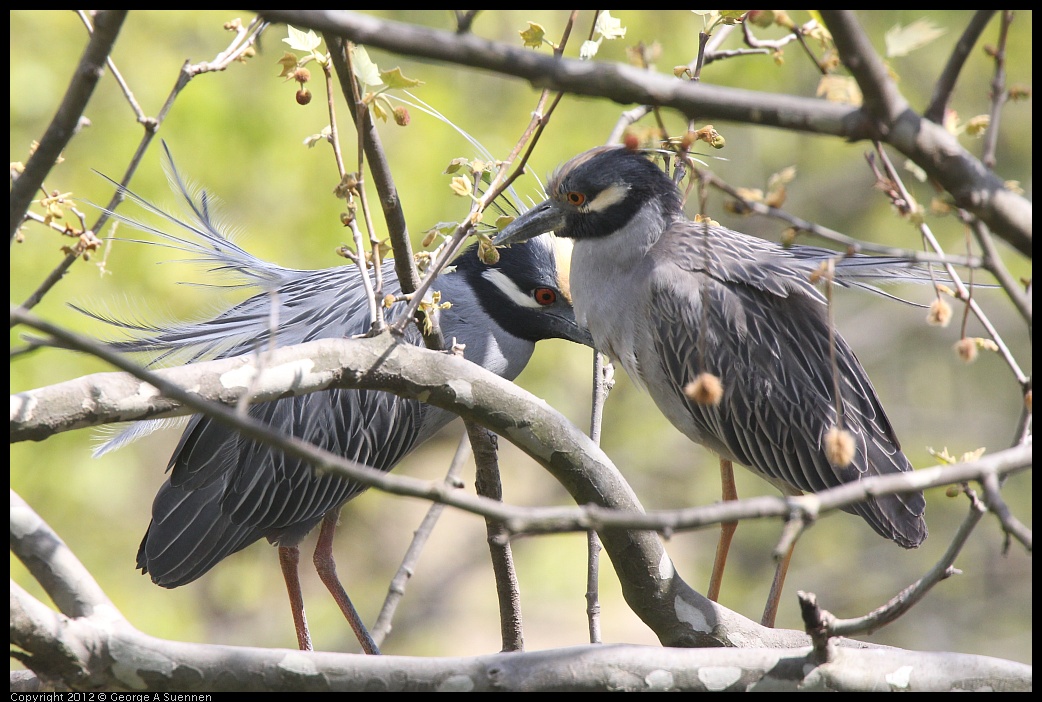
point(575, 198)
point(545, 296)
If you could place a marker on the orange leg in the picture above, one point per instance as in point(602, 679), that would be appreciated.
point(770, 610)
point(727, 529)
point(326, 568)
point(289, 557)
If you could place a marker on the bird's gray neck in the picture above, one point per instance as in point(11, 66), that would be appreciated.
point(627, 245)
point(598, 261)
point(602, 275)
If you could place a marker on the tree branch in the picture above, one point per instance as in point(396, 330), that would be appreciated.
point(973, 186)
point(650, 584)
point(101, 650)
point(66, 119)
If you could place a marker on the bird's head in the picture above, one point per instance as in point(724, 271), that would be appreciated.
point(598, 193)
point(526, 290)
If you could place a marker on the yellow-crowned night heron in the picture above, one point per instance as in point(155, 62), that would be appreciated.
point(224, 491)
point(671, 299)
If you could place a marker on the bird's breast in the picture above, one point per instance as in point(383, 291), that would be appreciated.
point(606, 295)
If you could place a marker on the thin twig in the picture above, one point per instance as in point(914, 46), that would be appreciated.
point(999, 95)
point(964, 293)
point(66, 119)
point(993, 263)
point(488, 484)
point(602, 383)
point(945, 86)
point(565, 443)
point(380, 171)
point(907, 598)
point(1013, 527)
point(852, 245)
point(128, 94)
point(242, 43)
point(499, 182)
point(396, 588)
point(358, 190)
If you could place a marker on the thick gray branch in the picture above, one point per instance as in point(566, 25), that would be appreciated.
point(381, 363)
point(678, 614)
point(653, 589)
point(973, 185)
point(92, 653)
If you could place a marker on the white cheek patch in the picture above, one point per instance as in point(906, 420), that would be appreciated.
point(607, 197)
point(509, 288)
point(563, 256)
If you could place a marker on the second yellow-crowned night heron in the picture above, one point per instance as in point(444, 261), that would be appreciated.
point(675, 301)
point(224, 491)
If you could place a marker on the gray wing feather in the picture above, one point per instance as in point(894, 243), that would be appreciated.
point(226, 491)
point(780, 270)
point(764, 332)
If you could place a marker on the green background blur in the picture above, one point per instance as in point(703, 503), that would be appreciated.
point(239, 133)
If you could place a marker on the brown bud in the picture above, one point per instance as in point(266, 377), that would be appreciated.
point(839, 447)
point(940, 313)
point(488, 253)
point(706, 389)
point(966, 348)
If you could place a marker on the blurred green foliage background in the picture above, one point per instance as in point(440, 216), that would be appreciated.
point(240, 134)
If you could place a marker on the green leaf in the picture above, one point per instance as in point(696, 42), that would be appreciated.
point(364, 68)
point(456, 164)
point(444, 228)
point(843, 89)
point(324, 135)
point(302, 41)
point(288, 63)
point(589, 49)
point(978, 125)
point(901, 41)
point(609, 27)
point(381, 107)
point(385, 104)
point(488, 253)
point(917, 171)
point(732, 16)
point(461, 185)
point(533, 36)
point(394, 79)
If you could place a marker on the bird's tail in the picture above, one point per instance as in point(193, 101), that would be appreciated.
point(200, 237)
point(866, 272)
